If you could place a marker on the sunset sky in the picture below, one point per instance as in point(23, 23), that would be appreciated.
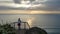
point(40, 13)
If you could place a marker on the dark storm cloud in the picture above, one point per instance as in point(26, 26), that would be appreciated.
point(11, 8)
point(17, 1)
point(6, 8)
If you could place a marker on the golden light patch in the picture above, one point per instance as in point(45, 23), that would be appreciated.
point(28, 12)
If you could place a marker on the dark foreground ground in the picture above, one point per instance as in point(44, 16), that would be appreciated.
point(22, 31)
point(7, 29)
point(33, 30)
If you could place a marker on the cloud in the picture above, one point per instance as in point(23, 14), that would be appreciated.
point(50, 5)
point(53, 5)
point(17, 1)
point(45, 5)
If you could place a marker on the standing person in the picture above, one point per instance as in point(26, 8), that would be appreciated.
point(19, 24)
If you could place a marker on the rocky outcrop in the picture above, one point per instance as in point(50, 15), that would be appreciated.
point(36, 30)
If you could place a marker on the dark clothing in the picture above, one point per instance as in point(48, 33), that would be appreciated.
point(19, 26)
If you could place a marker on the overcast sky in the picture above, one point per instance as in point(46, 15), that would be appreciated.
point(46, 5)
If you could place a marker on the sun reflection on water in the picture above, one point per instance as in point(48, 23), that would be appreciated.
point(30, 21)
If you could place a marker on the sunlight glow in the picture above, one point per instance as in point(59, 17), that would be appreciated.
point(39, 5)
point(25, 2)
point(30, 20)
point(28, 12)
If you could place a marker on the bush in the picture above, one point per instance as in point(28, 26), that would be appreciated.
point(6, 29)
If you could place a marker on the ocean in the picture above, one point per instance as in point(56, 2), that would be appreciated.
point(49, 22)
